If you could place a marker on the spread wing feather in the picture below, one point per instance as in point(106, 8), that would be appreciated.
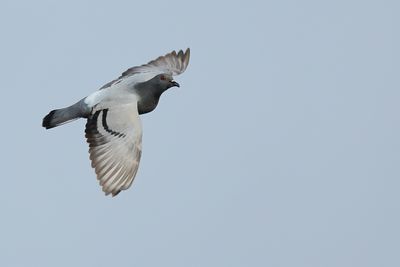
point(115, 143)
point(172, 63)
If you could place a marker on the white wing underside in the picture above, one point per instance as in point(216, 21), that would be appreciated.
point(114, 135)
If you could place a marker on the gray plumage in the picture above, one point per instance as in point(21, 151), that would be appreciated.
point(61, 116)
point(113, 128)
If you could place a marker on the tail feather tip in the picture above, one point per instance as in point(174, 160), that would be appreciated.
point(48, 119)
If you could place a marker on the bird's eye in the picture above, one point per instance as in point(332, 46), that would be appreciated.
point(162, 77)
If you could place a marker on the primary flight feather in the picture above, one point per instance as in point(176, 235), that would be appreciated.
point(113, 128)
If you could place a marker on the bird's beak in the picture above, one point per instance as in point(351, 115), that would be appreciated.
point(173, 83)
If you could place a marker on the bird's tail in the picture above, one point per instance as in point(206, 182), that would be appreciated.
point(61, 116)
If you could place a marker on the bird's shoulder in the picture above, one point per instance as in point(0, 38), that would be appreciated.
point(129, 81)
point(110, 97)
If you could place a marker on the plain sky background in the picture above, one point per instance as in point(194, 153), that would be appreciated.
point(281, 148)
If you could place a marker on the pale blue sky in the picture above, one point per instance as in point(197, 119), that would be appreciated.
point(281, 148)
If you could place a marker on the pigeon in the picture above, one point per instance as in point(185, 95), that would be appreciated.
point(113, 129)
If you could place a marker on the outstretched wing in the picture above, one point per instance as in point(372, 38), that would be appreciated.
point(172, 63)
point(115, 143)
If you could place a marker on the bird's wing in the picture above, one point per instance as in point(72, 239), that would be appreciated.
point(172, 63)
point(115, 144)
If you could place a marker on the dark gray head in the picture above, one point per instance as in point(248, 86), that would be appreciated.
point(163, 82)
point(166, 81)
point(157, 85)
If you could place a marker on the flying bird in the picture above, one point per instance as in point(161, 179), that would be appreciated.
point(113, 128)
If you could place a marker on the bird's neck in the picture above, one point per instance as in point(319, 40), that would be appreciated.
point(148, 100)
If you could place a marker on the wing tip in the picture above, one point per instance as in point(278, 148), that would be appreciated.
point(187, 57)
point(183, 57)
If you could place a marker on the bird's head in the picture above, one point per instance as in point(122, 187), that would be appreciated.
point(166, 81)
